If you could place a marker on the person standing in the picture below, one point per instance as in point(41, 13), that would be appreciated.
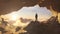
point(36, 17)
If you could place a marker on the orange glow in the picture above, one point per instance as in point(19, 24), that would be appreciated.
point(19, 23)
point(54, 13)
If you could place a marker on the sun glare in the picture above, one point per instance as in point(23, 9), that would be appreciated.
point(14, 16)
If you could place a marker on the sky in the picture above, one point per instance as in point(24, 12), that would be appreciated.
point(29, 13)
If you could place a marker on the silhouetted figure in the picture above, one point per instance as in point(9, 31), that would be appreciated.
point(36, 17)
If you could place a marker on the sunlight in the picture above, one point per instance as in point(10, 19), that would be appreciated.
point(19, 23)
point(14, 17)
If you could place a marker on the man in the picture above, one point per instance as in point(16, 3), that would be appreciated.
point(36, 17)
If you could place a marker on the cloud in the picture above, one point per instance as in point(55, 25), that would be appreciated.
point(24, 20)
